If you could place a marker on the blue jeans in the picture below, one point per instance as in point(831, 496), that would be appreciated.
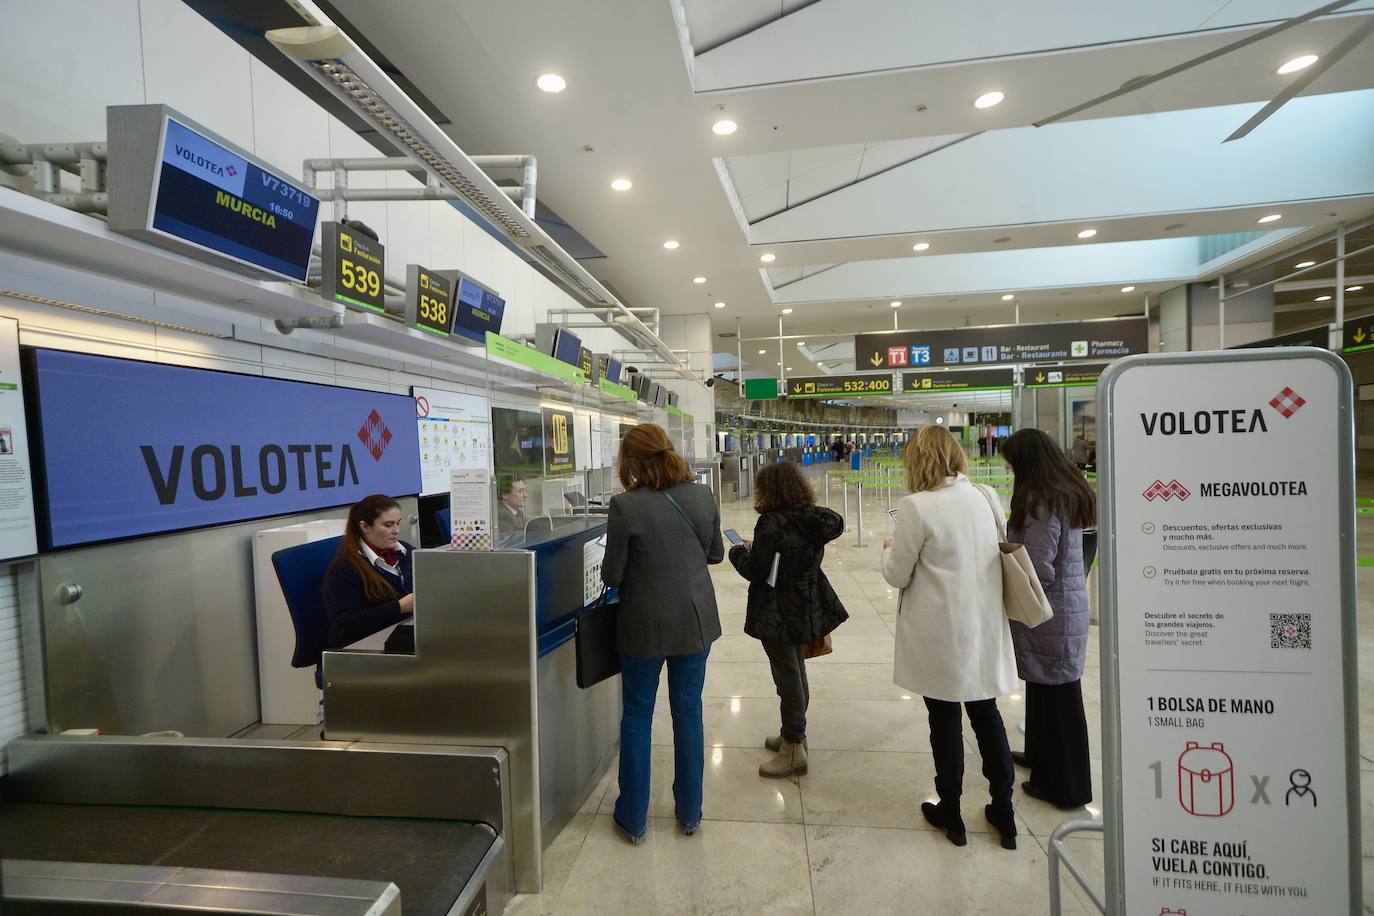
point(639, 686)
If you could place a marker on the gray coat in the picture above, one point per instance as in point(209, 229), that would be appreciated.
point(1053, 652)
point(667, 601)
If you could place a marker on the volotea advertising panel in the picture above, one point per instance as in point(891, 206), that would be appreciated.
point(1228, 634)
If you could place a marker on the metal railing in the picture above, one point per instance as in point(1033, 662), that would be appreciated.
point(1060, 855)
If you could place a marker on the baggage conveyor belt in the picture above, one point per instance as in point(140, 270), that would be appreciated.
point(431, 861)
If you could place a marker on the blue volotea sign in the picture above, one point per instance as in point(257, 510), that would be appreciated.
point(132, 448)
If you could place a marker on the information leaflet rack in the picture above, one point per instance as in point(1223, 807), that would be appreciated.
point(1229, 686)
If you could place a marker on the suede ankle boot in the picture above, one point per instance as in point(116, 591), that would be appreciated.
point(948, 819)
point(790, 758)
point(775, 742)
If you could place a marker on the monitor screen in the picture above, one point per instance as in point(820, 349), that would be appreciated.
point(208, 195)
point(476, 310)
point(613, 370)
point(567, 347)
point(660, 395)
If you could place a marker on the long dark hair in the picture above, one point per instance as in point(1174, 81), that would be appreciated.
point(781, 486)
point(369, 510)
point(1046, 484)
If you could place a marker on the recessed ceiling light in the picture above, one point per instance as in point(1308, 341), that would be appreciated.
point(1296, 64)
point(988, 99)
point(1323, 298)
point(1087, 233)
point(768, 258)
point(802, 343)
point(920, 246)
point(1271, 218)
point(720, 305)
point(761, 352)
point(671, 244)
point(896, 303)
point(1008, 297)
point(789, 368)
point(698, 280)
point(787, 311)
point(621, 184)
point(724, 127)
point(1353, 289)
point(1128, 289)
point(551, 82)
point(1301, 264)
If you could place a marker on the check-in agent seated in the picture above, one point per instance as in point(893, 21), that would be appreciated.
point(369, 586)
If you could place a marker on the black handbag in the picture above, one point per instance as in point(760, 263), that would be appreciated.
point(597, 658)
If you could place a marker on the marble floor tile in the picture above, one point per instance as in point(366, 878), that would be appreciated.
point(879, 871)
point(559, 858)
point(728, 721)
point(874, 647)
point(732, 789)
point(868, 725)
point(729, 868)
point(733, 679)
point(844, 681)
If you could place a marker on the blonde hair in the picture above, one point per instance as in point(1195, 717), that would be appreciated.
point(932, 455)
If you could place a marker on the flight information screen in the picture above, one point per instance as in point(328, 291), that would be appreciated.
point(477, 310)
point(211, 197)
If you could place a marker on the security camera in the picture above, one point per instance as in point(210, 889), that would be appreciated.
point(711, 382)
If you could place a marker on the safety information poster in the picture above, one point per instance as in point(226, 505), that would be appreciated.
point(1226, 487)
point(18, 531)
point(455, 434)
point(470, 504)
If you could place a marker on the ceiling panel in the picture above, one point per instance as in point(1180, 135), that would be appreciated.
point(838, 38)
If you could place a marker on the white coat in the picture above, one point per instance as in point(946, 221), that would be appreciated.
point(953, 642)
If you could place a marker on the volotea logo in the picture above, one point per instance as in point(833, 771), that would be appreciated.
point(1287, 402)
point(1166, 491)
point(374, 435)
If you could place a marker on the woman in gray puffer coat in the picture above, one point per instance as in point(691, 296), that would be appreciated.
point(1050, 506)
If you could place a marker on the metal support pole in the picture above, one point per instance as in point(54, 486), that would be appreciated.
point(845, 484)
point(1221, 312)
point(827, 489)
point(1340, 278)
point(782, 358)
point(739, 357)
point(340, 184)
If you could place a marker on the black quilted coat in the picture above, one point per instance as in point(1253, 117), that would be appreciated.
point(803, 607)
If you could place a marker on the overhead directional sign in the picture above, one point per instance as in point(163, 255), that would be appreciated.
point(1358, 334)
point(974, 380)
point(1319, 336)
point(1012, 343)
point(760, 389)
point(830, 386)
point(1084, 376)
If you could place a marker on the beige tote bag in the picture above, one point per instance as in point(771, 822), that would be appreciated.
point(1023, 597)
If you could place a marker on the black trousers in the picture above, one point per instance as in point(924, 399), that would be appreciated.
point(794, 693)
point(947, 745)
point(1057, 743)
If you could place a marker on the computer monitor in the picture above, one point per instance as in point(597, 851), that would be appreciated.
point(613, 370)
point(567, 347)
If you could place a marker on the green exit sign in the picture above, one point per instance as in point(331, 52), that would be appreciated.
point(760, 389)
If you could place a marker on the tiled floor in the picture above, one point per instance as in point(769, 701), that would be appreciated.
point(848, 837)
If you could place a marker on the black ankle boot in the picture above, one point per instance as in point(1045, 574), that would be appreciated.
point(947, 819)
point(1004, 820)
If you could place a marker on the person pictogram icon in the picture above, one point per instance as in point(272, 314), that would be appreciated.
point(1301, 782)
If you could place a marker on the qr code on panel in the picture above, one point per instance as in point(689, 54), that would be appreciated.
point(1290, 631)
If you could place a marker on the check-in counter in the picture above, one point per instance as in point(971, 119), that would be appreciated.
point(494, 664)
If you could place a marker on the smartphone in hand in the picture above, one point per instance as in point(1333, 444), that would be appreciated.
point(733, 537)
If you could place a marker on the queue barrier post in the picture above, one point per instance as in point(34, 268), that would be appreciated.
point(1060, 855)
point(859, 501)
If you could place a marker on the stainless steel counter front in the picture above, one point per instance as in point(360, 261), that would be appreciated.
point(494, 664)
